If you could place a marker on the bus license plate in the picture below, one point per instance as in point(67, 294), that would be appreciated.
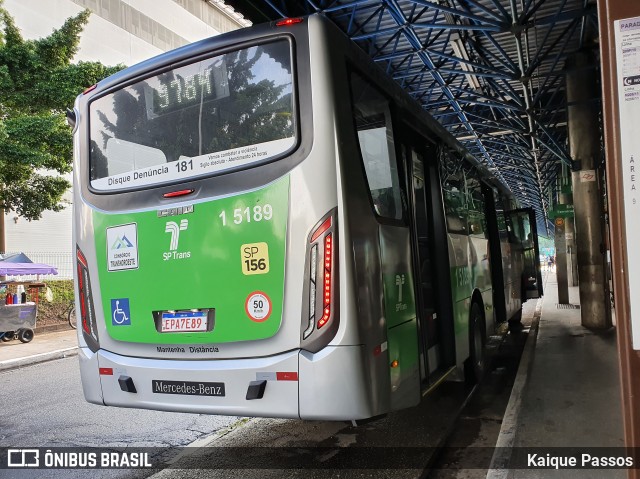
point(183, 322)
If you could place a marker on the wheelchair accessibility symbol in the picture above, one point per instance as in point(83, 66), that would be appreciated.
point(120, 315)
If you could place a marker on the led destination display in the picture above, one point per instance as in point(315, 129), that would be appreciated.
point(186, 87)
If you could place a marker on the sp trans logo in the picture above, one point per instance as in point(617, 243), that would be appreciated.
point(400, 280)
point(174, 229)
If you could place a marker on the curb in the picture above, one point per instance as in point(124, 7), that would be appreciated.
point(204, 441)
point(37, 358)
point(53, 328)
point(499, 467)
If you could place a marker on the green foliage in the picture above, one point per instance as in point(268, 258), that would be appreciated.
point(62, 290)
point(37, 83)
point(63, 294)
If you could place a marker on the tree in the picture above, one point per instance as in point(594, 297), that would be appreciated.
point(37, 83)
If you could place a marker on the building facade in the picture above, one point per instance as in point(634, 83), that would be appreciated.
point(118, 32)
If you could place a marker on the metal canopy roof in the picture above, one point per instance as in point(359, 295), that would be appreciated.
point(491, 71)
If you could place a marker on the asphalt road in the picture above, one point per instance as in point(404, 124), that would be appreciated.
point(43, 406)
point(450, 435)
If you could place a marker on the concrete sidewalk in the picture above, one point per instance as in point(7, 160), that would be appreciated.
point(570, 391)
point(43, 347)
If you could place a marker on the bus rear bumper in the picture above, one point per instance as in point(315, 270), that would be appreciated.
point(89, 376)
point(193, 386)
point(335, 385)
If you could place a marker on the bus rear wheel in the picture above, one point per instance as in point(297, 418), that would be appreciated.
point(477, 363)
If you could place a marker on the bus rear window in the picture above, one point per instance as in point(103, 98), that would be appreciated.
point(223, 113)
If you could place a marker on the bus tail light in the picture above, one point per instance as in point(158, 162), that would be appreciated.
point(326, 283)
point(87, 310)
point(320, 318)
point(287, 22)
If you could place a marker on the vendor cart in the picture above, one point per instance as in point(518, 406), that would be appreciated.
point(18, 320)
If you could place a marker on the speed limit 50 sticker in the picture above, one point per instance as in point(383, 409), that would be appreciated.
point(258, 306)
point(255, 258)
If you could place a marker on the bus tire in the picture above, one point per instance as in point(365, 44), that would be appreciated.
point(476, 365)
point(8, 336)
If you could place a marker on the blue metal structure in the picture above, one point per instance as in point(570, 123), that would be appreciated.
point(491, 71)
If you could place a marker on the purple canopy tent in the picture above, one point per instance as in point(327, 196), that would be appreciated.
point(20, 264)
point(17, 269)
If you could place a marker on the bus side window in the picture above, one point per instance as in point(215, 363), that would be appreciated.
point(475, 201)
point(503, 228)
point(453, 191)
point(375, 138)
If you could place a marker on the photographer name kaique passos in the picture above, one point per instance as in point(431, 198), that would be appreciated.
point(583, 460)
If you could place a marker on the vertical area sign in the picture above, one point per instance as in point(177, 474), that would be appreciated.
point(627, 34)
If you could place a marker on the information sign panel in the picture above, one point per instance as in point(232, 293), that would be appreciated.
point(627, 33)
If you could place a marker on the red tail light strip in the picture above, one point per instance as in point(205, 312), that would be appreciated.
point(328, 263)
point(82, 259)
point(320, 321)
point(87, 312)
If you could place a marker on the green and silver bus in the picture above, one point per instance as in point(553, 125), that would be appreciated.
point(267, 225)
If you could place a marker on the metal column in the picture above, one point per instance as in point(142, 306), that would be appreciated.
point(584, 144)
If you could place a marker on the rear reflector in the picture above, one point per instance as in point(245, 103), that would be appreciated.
point(106, 371)
point(287, 376)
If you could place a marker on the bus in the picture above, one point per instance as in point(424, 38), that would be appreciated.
point(265, 224)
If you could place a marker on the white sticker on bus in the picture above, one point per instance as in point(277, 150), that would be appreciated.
point(258, 306)
point(184, 167)
point(122, 247)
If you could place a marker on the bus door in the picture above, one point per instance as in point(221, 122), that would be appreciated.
point(430, 262)
point(495, 254)
point(522, 230)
